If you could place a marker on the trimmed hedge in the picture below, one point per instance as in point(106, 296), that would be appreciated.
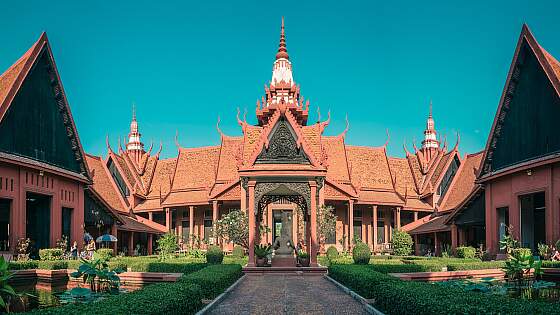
point(22, 265)
point(214, 255)
point(214, 279)
point(550, 264)
point(466, 252)
point(51, 254)
point(104, 253)
point(53, 264)
point(475, 265)
point(332, 253)
point(161, 298)
point(361, 253)
point(394, 296)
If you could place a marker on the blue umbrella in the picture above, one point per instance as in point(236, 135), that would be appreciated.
point(106, 238)
point(87, 237)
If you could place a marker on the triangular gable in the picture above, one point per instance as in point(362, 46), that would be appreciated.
point(31, 92)
point(531, 94)
point(282, 146)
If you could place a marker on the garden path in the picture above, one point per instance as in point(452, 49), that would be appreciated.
point(287, 294)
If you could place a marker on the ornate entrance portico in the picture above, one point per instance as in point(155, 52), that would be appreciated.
point(260, 191)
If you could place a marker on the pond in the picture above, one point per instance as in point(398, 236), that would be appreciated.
point(36, 297)
point(537, 290)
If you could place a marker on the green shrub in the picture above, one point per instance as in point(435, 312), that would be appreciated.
point(332, 253)
point(214, 279)
point(550, 264)
point(238, 252)
point(160, 298)
point(454, 266)
point(466, 252)
point(53, 264)
point(402, 243)
point(521, 252)
point(104, 253)
point(51, 254)
point(394, 296)
point(214, 255)
point(361, 254)
point(23, 265)
point(167, 245)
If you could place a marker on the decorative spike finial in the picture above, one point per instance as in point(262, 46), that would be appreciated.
point(388, 138)
point(177, 139)
point(458, 140)
point(343, 134)
point(133, 111)
point(430, 115)
point(282, 51)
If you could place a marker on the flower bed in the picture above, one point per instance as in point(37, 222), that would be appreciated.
point(394, 296)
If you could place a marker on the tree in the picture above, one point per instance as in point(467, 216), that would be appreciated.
point(167, 245)
point(234, 226)
point(326, 223)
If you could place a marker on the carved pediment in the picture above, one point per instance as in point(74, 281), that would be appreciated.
point(282, 147)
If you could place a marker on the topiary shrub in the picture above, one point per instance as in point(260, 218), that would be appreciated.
point(214, 255)
point(104, 254)
point(50, 254)
point(402, 243)
point(238, 252)
point(361, 254)
point(332, 253)
point(466, 252)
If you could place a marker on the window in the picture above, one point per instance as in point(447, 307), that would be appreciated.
point(207, 225)
point(67, 224)
point(503, 222)
point(119, 181)
point(358, 229)
point(380, 232)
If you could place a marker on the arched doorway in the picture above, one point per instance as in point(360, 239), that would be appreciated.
point(263, 192)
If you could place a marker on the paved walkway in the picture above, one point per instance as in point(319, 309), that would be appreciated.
point(287, 294)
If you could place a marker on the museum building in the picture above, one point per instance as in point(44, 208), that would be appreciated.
point(280, 170)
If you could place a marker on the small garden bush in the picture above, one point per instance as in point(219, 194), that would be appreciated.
point(104, 253)
point(466, 252)
point(51, 254)
point(394, 296)
point(23, 265)
point(402, 243)
point(520, 252)
point(361, 254)
point(215, 279)
point(455, 266)
point(214, 255)
point(238, 252)
point(332, 253)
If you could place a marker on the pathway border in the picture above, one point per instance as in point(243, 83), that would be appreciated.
point(221, 296)
point(369, 308)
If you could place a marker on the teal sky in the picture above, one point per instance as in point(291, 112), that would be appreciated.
point(183, 63)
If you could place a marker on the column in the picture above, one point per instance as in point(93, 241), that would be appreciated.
point(191, 224)
point(461, 236)
point(453, 237)
point(243, 198)
point(150, 242)
point(131, 244)
point(314, 241)
point(398, 218)
point(374, 226)
point(322, 195)
point(114, 233)
point(252, 225)
point(167, 219)
point(350, 223)
point(214, 219)
point(151, 215)
point(269, 223)
point(415, 216)
point(416, 245)
point(387, 225)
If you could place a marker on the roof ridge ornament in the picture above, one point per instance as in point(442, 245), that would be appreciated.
point(282, 50)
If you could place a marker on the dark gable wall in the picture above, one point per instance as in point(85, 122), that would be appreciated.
point(33, 127)
point(530, 128)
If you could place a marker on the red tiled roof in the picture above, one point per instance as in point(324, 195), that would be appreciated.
point(369, 167)
point(227, 165)
point(185, 197)
point(162, 178)
point(251, 139)
point(336, 158)
point(404, 182)
point(429, 224)
point(463, 183)
point(196, 168)
point(102, 184)
point(133, 224)
point(8, 78)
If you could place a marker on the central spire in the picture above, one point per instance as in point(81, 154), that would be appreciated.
point(134, 145)
point(282, 50)
point(282, 67)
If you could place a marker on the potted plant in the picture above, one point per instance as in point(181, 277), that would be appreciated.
point(262, 252)
point(303, 259)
